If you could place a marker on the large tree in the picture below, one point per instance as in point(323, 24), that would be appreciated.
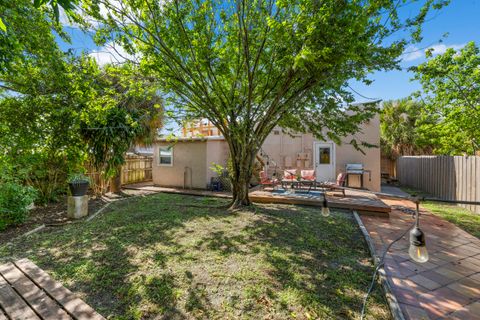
point(84, 114)
point(37, 109)
point(249, 65)
point(451, 91)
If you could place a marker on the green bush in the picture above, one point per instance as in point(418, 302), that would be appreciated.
point(14, 200)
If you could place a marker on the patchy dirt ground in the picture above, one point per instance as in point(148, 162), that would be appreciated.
point(53, 214)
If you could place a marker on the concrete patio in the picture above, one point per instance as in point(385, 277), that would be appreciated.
point(445, 287)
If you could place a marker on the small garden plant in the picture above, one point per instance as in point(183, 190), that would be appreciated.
point(77, 178)
point(14, 201)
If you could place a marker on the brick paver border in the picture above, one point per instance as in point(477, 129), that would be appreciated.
point(391, 298)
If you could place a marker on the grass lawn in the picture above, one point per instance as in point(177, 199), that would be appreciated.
point(178, 257)
point(459, 216)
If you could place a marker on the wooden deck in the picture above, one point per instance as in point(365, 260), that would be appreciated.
point(29, 293)
point(362, 202)
point(365, 203)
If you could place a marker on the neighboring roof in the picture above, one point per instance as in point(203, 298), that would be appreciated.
point(187, 139)
point(143, 151)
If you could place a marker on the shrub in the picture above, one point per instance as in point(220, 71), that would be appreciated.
point(14, 200)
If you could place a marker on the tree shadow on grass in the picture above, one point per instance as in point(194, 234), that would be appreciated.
point(317, 265)
point(321, 262)
point(121, 260)
point(223, 243)
point(101, 258)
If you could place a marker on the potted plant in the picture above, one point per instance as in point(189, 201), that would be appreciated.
point(78, 184)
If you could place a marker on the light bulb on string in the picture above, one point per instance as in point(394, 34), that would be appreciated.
point(418, 249)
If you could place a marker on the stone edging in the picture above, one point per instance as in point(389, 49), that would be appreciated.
point(43, 226)
point(392, 300)
point(98, 212)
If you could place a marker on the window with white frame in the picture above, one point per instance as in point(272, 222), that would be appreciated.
point(165, 156)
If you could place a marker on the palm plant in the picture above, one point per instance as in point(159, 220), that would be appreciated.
point(406, 129)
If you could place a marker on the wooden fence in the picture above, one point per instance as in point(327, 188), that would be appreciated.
point(387, 166)
point(446, 177)
point(137, 169)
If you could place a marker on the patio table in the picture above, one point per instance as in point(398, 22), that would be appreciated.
point(309, 183)
point(287, 182)
point(297, 184)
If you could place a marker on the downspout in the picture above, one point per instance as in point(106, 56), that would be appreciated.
point(185, 173)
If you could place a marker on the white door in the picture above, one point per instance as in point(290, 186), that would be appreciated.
point(324, 161)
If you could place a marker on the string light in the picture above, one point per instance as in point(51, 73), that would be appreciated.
point(418, 249)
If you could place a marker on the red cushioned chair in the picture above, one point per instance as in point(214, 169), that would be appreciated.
point(266, 181)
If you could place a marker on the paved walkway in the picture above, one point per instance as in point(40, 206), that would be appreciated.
point(445, 287)
point(394, 191)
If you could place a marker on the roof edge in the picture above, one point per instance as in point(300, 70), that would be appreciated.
point(190, 139)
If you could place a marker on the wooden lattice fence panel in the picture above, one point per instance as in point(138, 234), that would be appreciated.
point(137, 169)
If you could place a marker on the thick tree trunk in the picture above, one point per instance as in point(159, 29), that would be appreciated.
point(240, 193)
point(242, 165)
point(116, 182)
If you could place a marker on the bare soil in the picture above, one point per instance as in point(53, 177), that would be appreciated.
point(52, 214)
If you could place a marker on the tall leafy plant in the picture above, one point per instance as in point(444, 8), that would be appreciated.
point(126, 110)
point(71, 110)
point(38, 121)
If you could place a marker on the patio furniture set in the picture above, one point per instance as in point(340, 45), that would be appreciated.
point(305, 180)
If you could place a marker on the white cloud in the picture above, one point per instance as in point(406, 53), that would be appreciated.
point(65, 20)
point(413, 53)
point(441, 48)
point(111, 53)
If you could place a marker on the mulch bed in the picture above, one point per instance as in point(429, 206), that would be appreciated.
point(50, 215)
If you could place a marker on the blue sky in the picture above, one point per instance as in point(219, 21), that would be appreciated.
point(461, 20)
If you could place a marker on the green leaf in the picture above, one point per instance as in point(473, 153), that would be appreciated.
point(2, 26)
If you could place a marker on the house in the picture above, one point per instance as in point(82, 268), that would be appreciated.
point(186, 161)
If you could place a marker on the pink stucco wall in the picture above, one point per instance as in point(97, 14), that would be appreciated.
point(281, 147)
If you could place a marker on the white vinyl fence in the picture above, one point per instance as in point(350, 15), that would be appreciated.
point(446, 177)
